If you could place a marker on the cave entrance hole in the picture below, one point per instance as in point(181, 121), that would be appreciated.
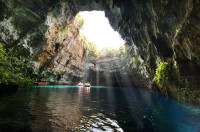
point(99, 37)
point(104, 48)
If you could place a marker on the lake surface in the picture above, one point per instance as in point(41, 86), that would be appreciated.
point(95, 109)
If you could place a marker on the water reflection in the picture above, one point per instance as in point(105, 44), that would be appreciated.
point(55, 109)
point(63, 108)
point(98, 123)
point(83, 91)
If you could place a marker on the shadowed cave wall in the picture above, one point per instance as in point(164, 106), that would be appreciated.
point(155, 31)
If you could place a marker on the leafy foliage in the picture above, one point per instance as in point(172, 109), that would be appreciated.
point(113, 52)
point(90, 47)
point(161, 72)
point(12, 69)
point(136, 62)
point(65, 31)
point(79, 21)
point(91, 50)
point(109, 3)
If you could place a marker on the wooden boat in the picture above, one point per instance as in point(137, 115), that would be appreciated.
point(87, 86)
point(41, 83)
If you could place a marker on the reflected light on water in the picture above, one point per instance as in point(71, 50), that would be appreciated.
point(56, 111)
point(83, 90)
point(97, 123)
point(95, 109)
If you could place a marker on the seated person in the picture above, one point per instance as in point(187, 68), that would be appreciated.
point(87, 84)
point(80, 84)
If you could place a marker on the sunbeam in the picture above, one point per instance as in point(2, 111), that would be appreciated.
point(97, 75)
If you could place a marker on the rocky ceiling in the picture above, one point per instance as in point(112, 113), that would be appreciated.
point(155, 31)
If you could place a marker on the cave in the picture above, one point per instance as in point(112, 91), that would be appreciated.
point(154, 31)
point(154, 87)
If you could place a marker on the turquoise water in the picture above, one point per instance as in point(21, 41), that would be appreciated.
point(71, 108)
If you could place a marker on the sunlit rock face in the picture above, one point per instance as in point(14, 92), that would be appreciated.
point(48, 33)
point(113, 72)
point(60, 59)
point(155, 31)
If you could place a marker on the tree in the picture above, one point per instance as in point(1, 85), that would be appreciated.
point(12, 69)
point(93, 52)
point(122, 51)
point(113, 52)
point(90, 48)
point(79, 21)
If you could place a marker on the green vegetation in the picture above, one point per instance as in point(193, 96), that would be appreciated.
point(13, 70)
point(64, 31)
point(90, 47)
point(161, 72)
point(164, 2)
point(110, 3)
point(123, 26)
point(113, 52)
point(136, 62)
point(79, 21)
point(91, 50)
point(46, 23)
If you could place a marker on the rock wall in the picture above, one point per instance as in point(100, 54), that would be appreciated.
point(155, 31)
point(165, 31)
point(113, 72)
point(60, 59)
point(48, 33)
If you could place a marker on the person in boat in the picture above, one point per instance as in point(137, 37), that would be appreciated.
point(87, 84)
point(80, 84)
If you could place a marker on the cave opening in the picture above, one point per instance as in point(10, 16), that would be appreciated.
point(50, 39)
point(96, 28)
point(106, 51)
point(41, 42)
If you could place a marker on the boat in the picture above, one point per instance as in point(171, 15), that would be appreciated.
point(80, 84)
point(41, 83)
point(83, 85)
point(87, 85)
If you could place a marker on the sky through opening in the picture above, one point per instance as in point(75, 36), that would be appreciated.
point(96, 28)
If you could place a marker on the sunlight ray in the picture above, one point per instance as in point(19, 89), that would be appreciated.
point(97, 75)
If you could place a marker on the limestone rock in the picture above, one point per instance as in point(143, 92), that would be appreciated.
point(155, 31)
